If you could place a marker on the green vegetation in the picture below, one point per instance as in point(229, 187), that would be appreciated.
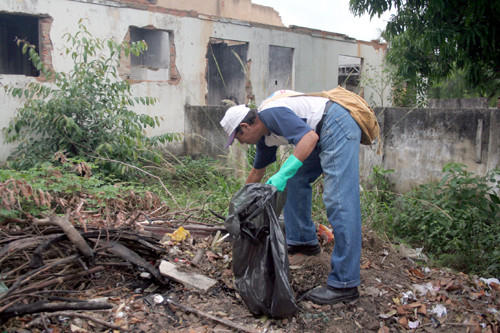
point(61, 185)
point(431, 40)
point(455, 220)
point(86, 112)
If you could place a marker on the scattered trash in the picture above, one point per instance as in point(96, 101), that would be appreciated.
point(407, 297)
point(145, 275)
point(179, 235)
point(189, 279)
point(492, 310)
point(423, 289)
point(439, 310)
point(413, 324)
point(388, 314)
point(412, 253)
point(181, 261)
point(158, 299)
point(492, 283)
point(324, 233)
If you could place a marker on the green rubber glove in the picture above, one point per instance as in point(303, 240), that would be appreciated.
point(287, 170)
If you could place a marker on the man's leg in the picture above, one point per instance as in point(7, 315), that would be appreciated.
point(300, 230)
point(339, 142)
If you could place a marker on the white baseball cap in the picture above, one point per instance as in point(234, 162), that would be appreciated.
point(232, 119)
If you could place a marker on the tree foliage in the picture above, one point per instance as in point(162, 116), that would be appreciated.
point(86, 112)
point(431, 39)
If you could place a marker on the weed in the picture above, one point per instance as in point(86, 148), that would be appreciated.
point(455, 219)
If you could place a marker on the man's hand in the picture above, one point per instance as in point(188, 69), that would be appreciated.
point(287, 170)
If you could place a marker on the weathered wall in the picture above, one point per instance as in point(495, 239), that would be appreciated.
point(315, 62)
point(458, 103)
point(204, 136)
point(417, 143)
point(243, 10)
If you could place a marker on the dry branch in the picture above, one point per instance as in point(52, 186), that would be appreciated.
point(196, 229)
point(23, 243)
point(40, 306)
point(73, 235)
point(59, 280)
point(86, 316)
point(125, 253)
point(28, 276)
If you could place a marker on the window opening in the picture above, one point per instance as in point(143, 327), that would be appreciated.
point(152, 64)
point(226, 73)
point(349, 72)
point(12, 59)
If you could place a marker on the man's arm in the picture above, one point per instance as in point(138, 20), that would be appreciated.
point(306, 145)
point(302, 150)
point(255, 175)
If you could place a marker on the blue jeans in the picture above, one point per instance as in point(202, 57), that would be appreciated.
point(337, 157)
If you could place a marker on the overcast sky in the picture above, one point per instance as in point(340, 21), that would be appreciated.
point(328, 15)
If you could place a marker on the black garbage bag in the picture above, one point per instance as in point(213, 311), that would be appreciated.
point(260, 259)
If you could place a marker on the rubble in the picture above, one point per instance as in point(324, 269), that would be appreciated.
point(48, 284)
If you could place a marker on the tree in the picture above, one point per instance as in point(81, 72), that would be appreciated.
point(432, 39)
point(86, 112)
point(377, 79)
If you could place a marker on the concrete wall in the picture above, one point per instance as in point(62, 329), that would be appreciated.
point(417, 143)
point(315, 52)
point(459, 103)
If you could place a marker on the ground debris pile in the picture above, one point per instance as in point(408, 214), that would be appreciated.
point(56, 277)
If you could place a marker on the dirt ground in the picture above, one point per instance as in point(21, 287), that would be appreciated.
point(397, 294)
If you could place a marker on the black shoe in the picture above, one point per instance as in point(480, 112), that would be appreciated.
point(331, 295)
point(308, 250)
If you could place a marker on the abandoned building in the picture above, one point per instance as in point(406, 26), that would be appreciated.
point(202, 52)
point(199, 53)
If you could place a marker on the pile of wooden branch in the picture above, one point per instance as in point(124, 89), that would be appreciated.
point(44, 264)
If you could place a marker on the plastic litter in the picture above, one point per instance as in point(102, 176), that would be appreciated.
point(158, 298)
point(423, 289)
point(439, 310)
point(260, 259)
point(407, 297)
point(490, 281)
point(179, 235)
point(413, 324)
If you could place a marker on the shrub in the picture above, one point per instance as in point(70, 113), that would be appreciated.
point(84, 113)
point(456, 219)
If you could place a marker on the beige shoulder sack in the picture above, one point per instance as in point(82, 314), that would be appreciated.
point(357, 107)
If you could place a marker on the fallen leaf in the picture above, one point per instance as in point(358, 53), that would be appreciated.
point(366, 264)
point(388, 314)
point(422, 310)
point(495, 286)
point(401, 310)
point(415, 305)
point(403, 321)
